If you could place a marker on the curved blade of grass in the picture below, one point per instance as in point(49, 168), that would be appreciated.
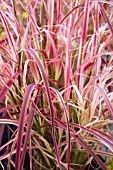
point(105, 16)
point(68, 127)
point(90, 151)
point(21, 123)
point(86, 62)
point(8, 143)
point(5, 89)
point(63, 125)
point(31, 115)
point(76, 137)
point(8, 108)
point(103, 137)
point(51, 42)
point(37, 59)
point(106, 99)
point(106, 139)
point(76, 7)
point(9, 121)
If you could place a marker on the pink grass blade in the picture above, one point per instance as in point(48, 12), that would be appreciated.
point(52, 43)
point(68, 64)
point(37, 59)
point(31, 115)
point(105, 16)
point(8, 108)
point(5, 89)
point(86, 62)
point(67, 119)
point(85, 22)
point(8, 143)
point(50, 5)
point(83, 41)
point(33, 21)
point(77, 138)
point(103, 137)
point(8, 35)
point(76, 7)
point(106, 99)
point(63, 125)
point(59, 10)
point(21, 123)
point(68, 71)
point(13, 16)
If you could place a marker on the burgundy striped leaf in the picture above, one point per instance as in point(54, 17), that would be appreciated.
point(22, 122)
point(29, 126)
point(103, 137)
point(81, 142)
point(39, 63)
point(67, 119)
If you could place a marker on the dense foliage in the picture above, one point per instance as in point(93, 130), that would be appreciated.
point(56, 84)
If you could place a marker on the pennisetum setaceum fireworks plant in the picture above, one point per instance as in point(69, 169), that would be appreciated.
point(56, 84)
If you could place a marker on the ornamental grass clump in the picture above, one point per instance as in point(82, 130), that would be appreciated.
point(56, 84)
